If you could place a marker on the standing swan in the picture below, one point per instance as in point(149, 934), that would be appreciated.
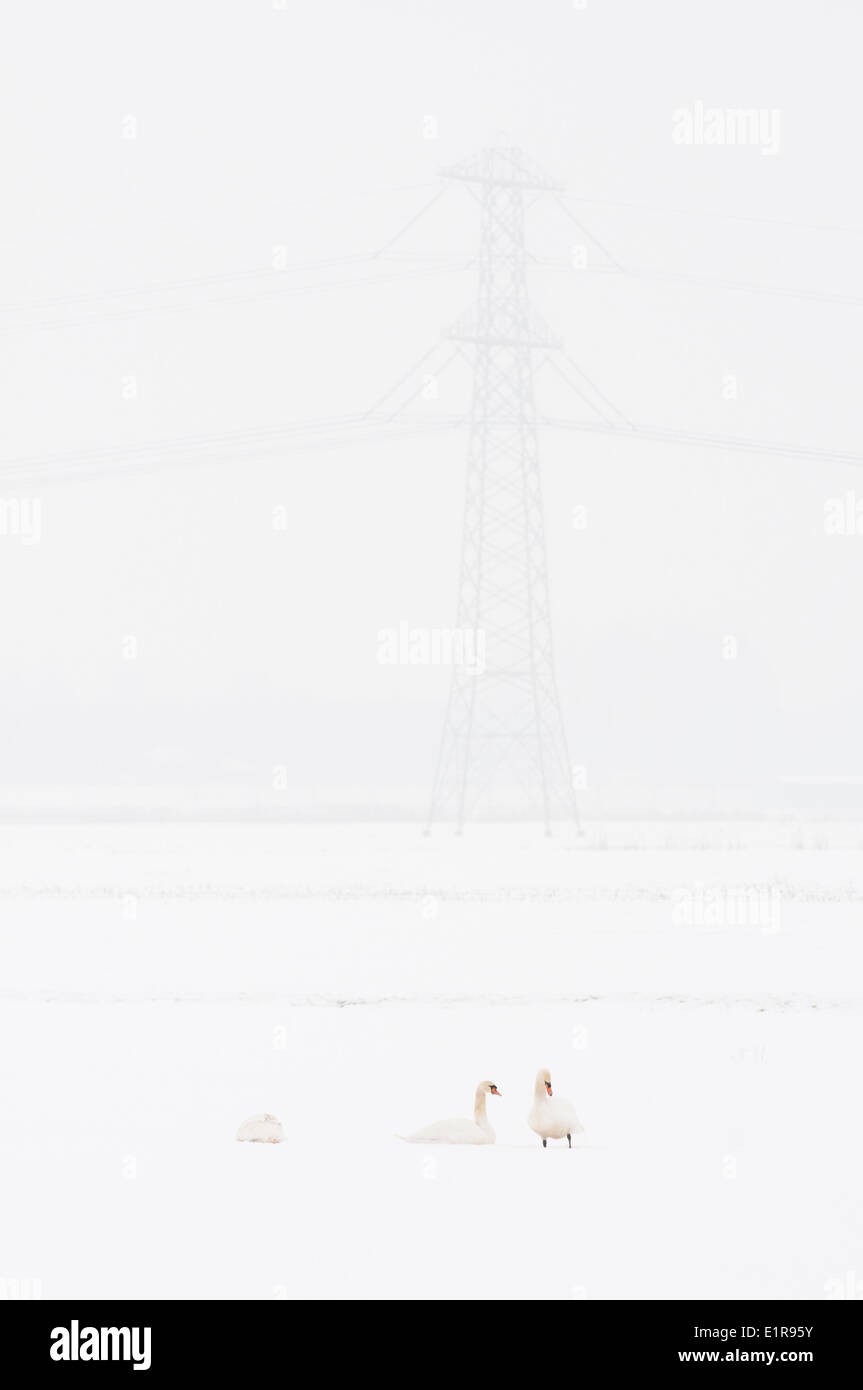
point(261, 1129)
point(475, 1131)
point(552, 1119)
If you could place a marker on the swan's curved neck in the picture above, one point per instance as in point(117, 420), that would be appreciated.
point(479, 1115)
point(539, 1090)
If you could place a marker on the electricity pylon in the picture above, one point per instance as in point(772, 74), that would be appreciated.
point(503, 742)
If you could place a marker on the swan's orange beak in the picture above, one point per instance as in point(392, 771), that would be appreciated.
point(548, 1087)
point(495, 1091)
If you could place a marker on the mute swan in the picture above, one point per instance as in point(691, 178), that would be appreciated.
point(552, 1119)
point(261, 1129)
point(475, 1131)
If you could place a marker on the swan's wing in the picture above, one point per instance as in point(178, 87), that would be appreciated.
point(564, 1112)
point(449, 1132)
point(260, 1129)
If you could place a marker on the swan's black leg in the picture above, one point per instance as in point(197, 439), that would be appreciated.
point(544, 1143)
point(569, 1140)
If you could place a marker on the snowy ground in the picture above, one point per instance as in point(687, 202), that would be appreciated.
point(159, 984)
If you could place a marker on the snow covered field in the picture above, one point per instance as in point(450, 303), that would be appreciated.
point(696, 993)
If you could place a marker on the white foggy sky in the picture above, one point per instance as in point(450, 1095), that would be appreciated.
point(259, 127)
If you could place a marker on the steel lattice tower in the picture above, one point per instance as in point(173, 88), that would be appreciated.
point(503, 734)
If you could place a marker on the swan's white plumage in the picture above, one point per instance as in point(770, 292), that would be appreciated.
point(260, 1129)
point(475, 1131)
point(551, 1117)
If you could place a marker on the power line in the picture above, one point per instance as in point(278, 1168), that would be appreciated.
point(707, 281)
point(336, 430)
point(444, 260)
point(713, 215)
point(594, 240)
point(441, 193)
point(710, 440)
point(200, 450)
point(552, 361)
point(382, 252)
point(191, 282)
point(687, 277)
point(274, 292)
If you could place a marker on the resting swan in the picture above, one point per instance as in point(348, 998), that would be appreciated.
point(261, 1129)
point(475, 1131)
point(552, 1119)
